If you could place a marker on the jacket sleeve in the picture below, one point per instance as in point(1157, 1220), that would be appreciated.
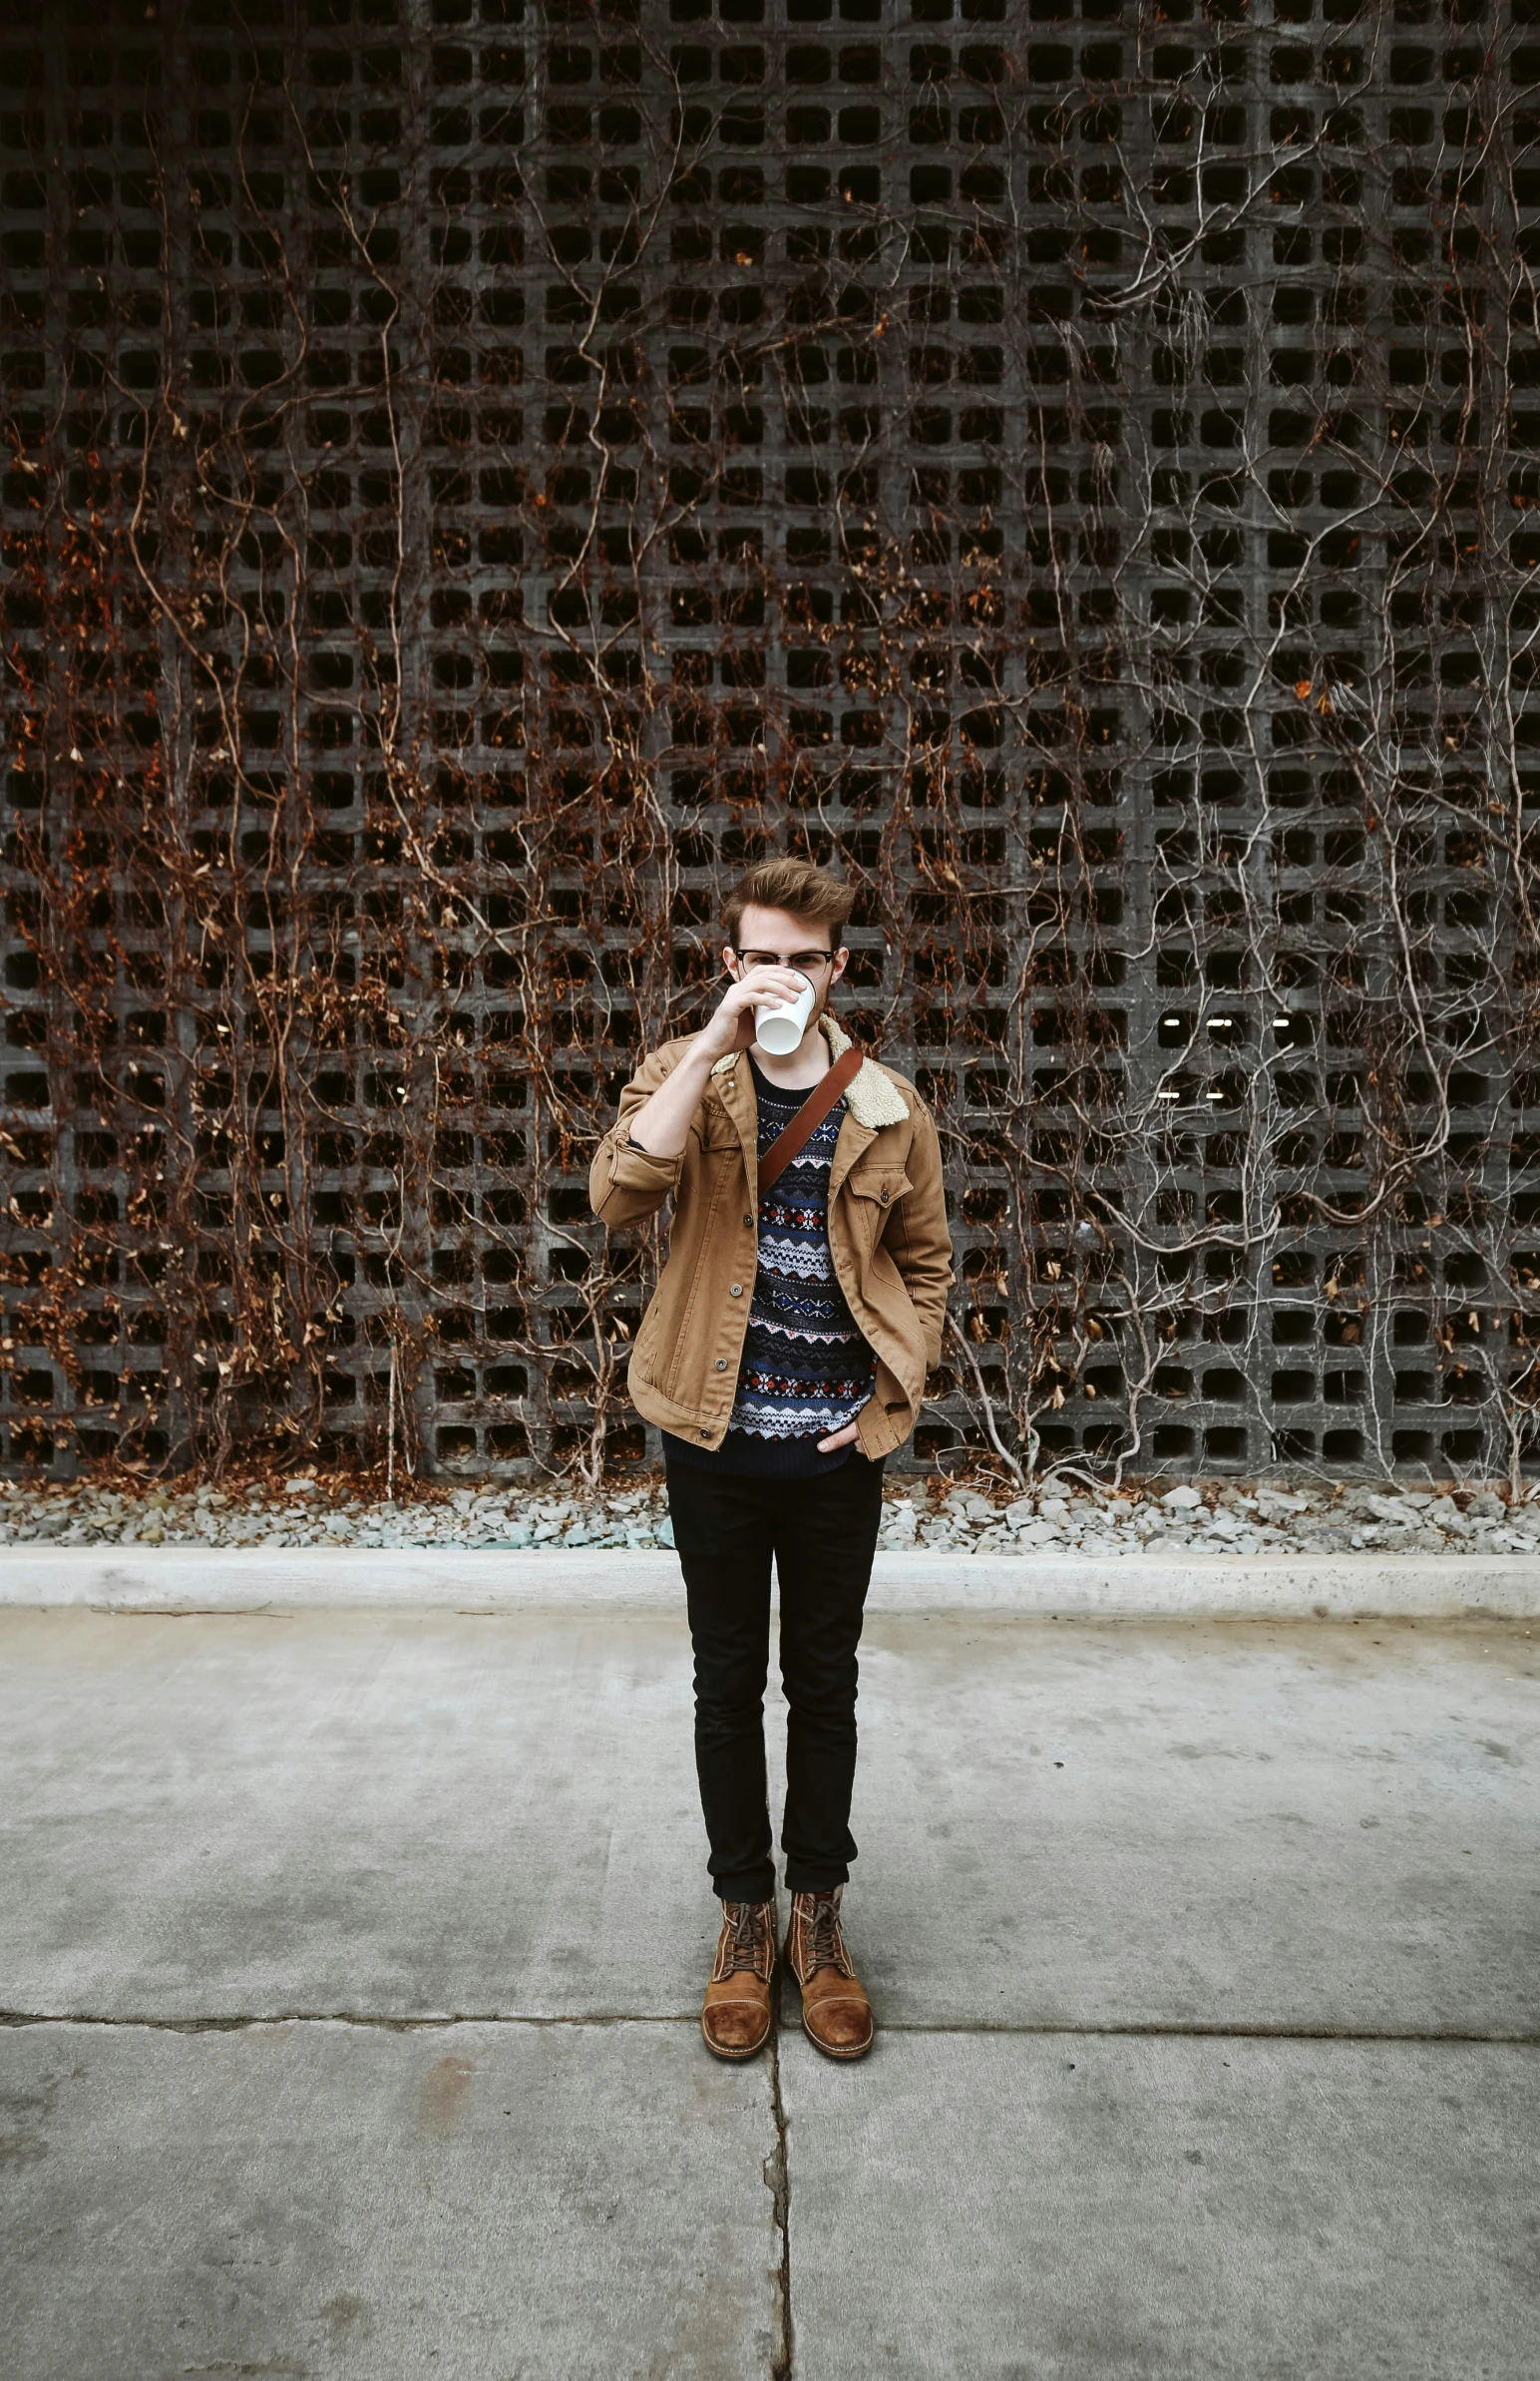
point(918, 1239)
point(626, 1183)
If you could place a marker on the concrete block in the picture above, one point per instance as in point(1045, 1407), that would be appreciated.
point(353, 2203)
point(401, 1814)
point(1079, 2208)
point(1192, 1823)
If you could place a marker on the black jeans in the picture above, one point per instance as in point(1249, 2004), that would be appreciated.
point(821, 1533)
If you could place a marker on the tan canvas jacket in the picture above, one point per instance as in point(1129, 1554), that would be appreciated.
point(887, 1234)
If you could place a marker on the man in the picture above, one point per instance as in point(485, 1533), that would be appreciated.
point(784, 1357)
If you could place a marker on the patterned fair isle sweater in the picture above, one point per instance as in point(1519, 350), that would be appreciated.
point(806, 1370)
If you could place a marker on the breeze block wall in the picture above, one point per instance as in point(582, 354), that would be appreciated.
point(479, 472)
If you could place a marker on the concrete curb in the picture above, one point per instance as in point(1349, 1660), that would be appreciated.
point(1279, 1586)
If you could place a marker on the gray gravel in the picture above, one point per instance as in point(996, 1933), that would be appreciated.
point(310, 1510)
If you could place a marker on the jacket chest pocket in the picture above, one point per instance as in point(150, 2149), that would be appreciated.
point(873, 1192)
point(718, 1133)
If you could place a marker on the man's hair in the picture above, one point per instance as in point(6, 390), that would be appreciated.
point(793, 885)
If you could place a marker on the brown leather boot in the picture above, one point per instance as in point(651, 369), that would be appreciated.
point(836, 2014)
point(735, 2015)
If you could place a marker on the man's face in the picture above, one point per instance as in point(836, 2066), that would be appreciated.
point(793, 942)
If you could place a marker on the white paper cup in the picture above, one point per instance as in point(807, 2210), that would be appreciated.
point(779, 1027)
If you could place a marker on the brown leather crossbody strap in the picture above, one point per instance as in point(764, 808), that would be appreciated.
point(809, 1117)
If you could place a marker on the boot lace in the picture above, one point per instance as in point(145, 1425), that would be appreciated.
point(749, 1932)
point(824, 1946)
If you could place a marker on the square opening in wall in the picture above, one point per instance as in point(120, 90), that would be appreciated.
point(1224, 1447)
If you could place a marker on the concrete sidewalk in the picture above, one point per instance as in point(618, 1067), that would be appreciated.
point(351, 1961)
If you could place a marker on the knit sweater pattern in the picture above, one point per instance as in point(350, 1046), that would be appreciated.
point(806, 1370)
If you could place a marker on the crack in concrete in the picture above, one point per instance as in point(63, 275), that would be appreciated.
point(1204, 2030)
point(1093, 2028)
point(777, 2173)
point(364, 2019)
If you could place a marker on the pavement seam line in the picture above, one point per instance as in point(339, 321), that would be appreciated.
point(20, 2020)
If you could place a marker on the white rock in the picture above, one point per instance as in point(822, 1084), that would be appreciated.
point(1181, 1499)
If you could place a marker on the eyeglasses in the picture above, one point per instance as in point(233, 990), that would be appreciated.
point(806, 963)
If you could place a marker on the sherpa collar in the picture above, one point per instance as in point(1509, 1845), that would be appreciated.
point(874, 1099)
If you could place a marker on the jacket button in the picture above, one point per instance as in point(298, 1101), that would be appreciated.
point(885, 1196)
point(749, 1223)
point(736, 1290)
point(721, 1364)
